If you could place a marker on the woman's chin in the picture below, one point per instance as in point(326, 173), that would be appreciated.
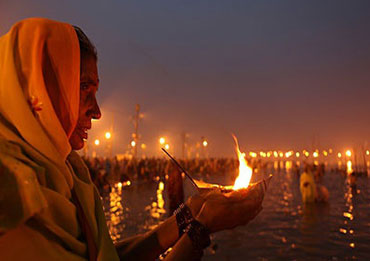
point(76, 142)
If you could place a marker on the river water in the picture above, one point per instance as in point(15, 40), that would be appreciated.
point(286, 229)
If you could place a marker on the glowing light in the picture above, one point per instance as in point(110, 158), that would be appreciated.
point(167, 147)
point(288, 165)
point(268, 154)
point(97, 142)
point(348, 153)
point(157, 208)
point(108, 135)
point(275, 154)
point(352, 245)
point(342, 230)
point(297, 154)
point(349, 167)
point(133, 143)
point(339, 155)
point(330, 151)
point(162, 140)
point(205, 143)
point(253, 154)
point(288, 154)
point(315, 154)
point(143, 146)
point(119, 185)
point(325, 153)
point(306, 153)
point(367, 153)
point(245, 172)
point(281, 154)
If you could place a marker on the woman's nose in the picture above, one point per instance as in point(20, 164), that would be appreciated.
point(96, 113)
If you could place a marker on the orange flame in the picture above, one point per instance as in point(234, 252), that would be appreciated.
point(245, 172)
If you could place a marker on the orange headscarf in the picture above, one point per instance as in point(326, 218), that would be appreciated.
point(39, 84)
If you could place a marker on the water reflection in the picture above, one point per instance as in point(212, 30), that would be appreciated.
point(116, 216)
point(349, 167)
point(348, 213)
point(286, 229)
point(157, 209)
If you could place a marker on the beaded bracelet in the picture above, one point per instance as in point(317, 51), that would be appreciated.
point(199, 236)
point(183, 217)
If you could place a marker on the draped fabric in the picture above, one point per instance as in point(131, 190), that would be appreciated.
point(39, 103)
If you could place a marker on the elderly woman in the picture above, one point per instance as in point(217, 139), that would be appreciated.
point(49, 208)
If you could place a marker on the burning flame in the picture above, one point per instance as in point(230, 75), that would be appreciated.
point(245, 172)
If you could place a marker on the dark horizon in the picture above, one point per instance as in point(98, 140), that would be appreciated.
point(281, 75)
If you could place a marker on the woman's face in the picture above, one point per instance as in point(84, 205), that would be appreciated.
point(89, 109)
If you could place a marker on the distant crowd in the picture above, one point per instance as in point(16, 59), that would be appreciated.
point(108, 171)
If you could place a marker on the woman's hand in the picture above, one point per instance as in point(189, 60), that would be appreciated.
point(226, 211)
point(195, 203)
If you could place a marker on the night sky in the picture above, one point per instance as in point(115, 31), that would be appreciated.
point(278, 74)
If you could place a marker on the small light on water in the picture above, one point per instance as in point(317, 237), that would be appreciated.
point(348, 215)
point(349, 167)
point(352, 245)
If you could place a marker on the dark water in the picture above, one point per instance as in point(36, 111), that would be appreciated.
point(285, 229)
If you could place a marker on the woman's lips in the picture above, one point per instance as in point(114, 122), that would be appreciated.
point(83, 133)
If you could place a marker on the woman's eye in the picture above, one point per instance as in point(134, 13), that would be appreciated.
point(84, 86)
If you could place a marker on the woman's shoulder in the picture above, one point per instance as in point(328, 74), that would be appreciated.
point(12, 153)
point(20, 193)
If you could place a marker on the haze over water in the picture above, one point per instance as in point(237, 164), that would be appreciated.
point(280, 75)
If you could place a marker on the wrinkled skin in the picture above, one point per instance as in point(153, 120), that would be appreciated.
point(88, 108)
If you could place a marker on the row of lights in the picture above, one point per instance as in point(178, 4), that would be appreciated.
point(315, 154)
point(162, 142)
point(276, 154)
